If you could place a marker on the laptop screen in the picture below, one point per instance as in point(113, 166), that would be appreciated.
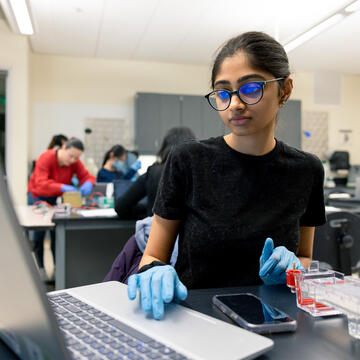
point(27, 324)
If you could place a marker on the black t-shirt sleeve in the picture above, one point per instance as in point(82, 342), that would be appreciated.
point(315, 211)
point(170, 198)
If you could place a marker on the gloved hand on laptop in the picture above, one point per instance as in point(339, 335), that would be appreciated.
point(86, 188)
point(275, 262)
point(157, 285)
point(68, 188)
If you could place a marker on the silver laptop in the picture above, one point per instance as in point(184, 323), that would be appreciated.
point(98, 321)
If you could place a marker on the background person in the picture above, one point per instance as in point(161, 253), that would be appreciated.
point(245, 205)
point(57, 141)
point(51, 177)
point(147, 184)
point(118, 164)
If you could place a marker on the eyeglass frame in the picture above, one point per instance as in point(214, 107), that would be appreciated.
point(237, 92)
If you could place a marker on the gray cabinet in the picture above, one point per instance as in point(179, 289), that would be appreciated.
point(155, 114)
point(288, 127)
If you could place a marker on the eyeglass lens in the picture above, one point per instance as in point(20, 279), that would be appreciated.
point(249, 93)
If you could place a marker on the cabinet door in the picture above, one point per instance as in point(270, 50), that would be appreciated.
point(288, 127)
point(170, 108)
point(198, 115)
point(192, 114)
point(212, 124)
point(155, 114)
point(147, 122)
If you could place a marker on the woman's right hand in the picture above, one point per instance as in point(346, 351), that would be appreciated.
point(157, 286)
point(68, 188)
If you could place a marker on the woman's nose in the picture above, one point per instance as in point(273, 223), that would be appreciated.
point(236, 103)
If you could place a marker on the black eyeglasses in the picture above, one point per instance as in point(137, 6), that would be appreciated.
point(250, 93)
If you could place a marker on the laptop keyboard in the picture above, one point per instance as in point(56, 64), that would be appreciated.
point(92, 334)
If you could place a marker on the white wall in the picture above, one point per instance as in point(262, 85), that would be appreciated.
point(14, 53)
point(69, 119)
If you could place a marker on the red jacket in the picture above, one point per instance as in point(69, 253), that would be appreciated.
point(48, 177)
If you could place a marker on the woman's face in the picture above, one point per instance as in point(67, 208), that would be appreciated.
point(114, 158)
point(70, 156)
point(240, 118)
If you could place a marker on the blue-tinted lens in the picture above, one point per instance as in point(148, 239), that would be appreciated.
point(223, 95)
point(251, 90)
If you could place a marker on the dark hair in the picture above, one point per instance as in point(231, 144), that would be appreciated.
point(75, 143)
point(57, 140)
point(117, 150)
point(173, 137)
point(263, 51)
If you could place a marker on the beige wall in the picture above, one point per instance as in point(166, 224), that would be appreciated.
point(103, 81)
point(67, 90)
point(14, 53)
point(341, 117)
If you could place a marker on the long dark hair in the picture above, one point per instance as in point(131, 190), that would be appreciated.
point(174, 136)
point(263, 51)
point(57, 140)
point(117, 150)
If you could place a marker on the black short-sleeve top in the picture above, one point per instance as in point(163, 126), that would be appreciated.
point(229, 203)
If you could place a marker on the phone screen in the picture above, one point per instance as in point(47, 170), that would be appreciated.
point(253, 310)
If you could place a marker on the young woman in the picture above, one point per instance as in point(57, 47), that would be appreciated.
point(51, 177)
point(147, 184)
point(243, 204)
point(118, 164)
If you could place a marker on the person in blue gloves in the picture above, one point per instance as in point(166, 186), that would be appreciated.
point(118, 164)
point(245, 205)
point(51, 177)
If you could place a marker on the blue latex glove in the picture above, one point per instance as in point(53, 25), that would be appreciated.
point(136, 165)
point(86, 188)
point(68, 188)
point(274, 263)
point(157, 286)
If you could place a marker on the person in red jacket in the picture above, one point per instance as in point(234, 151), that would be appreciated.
point(51, 177)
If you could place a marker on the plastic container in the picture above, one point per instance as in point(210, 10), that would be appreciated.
point(345, 297)
point(309, 294)
point(326, 292)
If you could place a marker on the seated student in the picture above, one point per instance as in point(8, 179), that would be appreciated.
point(118, 164)
point(147, 184)
point(51, 177)
point(245, 205)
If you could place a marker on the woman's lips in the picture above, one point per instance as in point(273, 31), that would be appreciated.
point(239, 120)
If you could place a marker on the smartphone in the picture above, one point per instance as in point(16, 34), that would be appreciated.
point(251, 313)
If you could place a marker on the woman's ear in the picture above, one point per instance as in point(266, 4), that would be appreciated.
point(286, 91)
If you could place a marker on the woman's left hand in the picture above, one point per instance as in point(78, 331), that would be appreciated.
point(274, 263)
point(86, 188)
